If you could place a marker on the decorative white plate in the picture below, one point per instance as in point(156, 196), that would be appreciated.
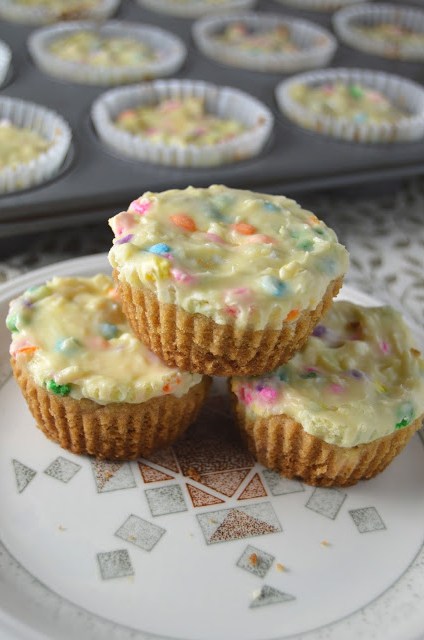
point(198, 543)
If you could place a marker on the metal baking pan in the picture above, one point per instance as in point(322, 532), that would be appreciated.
point(95, 184)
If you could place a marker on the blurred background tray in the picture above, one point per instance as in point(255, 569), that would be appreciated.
point(94, 183)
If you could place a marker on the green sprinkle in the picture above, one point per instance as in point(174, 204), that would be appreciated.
point(58, 389)
point(283, 374)
point(305, 245)
point(309, 374)
point(405, 415)
point(319, 231)
point(355, 91)
point(11, 323)
point(403, 423)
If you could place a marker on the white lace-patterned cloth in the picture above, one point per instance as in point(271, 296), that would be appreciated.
point(384, 235)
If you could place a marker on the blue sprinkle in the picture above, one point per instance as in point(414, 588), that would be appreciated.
point(270, 206)
point(329, 266)
point(319, 331)
point(355, 373)
point(360, 118)
point(273, 285)
point(283, 375)
point(69, 346)
point(108, 331)
point(160, 248)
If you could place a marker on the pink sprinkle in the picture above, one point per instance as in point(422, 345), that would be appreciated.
point(123, 222)
point(374, 96)
point(328, 89)
point(182, 276)
point(19, 344)
point(97, 343)
point(140, 206)
point(336, 388)
point(385, 347)
point(232, 310)
point(259, 238)
point(268, 394)
point(242, 291)
point(245, 395)
point(215, 238)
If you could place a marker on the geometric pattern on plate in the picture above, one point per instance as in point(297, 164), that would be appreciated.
point(140, 532)
point(62, 469)
point(165, 500)
point(112, 476)
point(256, 561)
point(23, 475)
point(210, 455)
point(278, 485)
point(164, 458)
point(255, 489)
point(327, 502)
point(269, 595)
point(201, 498)
point(150, 474)
point(367, 519)
point(115, 564)
point(225, 482)
point(238, 523)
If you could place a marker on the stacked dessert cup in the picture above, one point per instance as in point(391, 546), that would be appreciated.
point(226, 282)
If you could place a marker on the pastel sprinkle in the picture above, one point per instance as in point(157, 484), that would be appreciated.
point(26, 349)
point(268, 394)
point(11, 323)
point(405, 414)
point(232, 310)
point(97, 343)
point(123, 222)
point(385, 347)
point(58, 389)
point(336, 388)
point(160, 248)
point(319, 331)
point(125, 239)
point(215, 238)
point(273, 285)
point(140, 206)
point(182, 276)
point(270, 206)
point(108, 330)
point(355, 91)
point(355, 373)
point(68, 345)
point(183, 221)
point(292, 315)
point(244, 228)
point(305, 245)
point(259, 238)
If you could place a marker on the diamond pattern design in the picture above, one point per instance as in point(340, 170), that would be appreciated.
point(255, 561)
point(140, 532)
point(23, 475)
point(367, 519)
point(327, 502)
point(62, 469)
point(165, 500)
point(278, 485)
point(112, 476)
point(115, 564)
point(270, 595)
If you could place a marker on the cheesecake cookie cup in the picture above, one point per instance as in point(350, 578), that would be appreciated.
point(91, 386)
point(264, 42)
point(45, 11)
point(195, 8)
point(318, 5)
point(34, 142)
point(182, 123)
point(224, 281)
point(343, 407)
point(388, 30)
point(114, 53)
point(355, 104)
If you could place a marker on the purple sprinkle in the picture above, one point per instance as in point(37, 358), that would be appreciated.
point(28, 304)
point(260, 387)
point(125, 239)
point(355, 374)
point(319, 331)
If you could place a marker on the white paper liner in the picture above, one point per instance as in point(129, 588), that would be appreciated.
point(224, 102)
point(318, 5)
point(195, 8)
point(5, 58)
point(369, 15)
point(12, 10)
point(317, 45)
point(404, 94)
point(47, 124)
point(171, 48)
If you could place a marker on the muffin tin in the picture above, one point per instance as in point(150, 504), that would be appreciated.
point(94, 183)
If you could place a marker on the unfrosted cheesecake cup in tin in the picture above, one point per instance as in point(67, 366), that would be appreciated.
point(156, 52)
point(195, 8)
point(318, 5)
point(302, 43)
point(254, 118)
point(405, 95)
point(388, 30)
point(45, 11)
point(51, 127)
